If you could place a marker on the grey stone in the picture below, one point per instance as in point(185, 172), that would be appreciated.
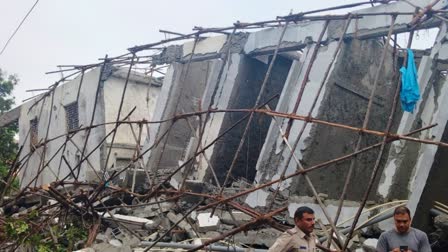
point(240, 218)
point(85, 250)
point(441, 222)
point(174, 218)
point(265, 237)
point(130, 241)
point(211, 234)
point(369, 245)
point(152, 210)
point(152, 225)
point(106, 247)
point(115, 243)
point(101, 238)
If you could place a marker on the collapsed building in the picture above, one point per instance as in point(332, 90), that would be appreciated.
point(70, 107)
point(305, 112)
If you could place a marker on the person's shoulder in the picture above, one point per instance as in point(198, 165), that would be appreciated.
point(292, 231)
point(286, 236)
point(418, 232)
point(388, 232)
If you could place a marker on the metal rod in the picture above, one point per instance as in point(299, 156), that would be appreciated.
point(190, 246)
point(309, 169)
point(249, 121)
point(120, 107)
point(383, 144)
point(306, 76)
point(365, 124)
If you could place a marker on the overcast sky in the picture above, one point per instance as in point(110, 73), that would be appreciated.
point(80, 31)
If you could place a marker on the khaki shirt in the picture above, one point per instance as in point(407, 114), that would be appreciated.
point(294, 240)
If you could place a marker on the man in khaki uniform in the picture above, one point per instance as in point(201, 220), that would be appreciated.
point(301, 237)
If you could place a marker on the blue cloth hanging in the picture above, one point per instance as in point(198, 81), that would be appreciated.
point(410, 93)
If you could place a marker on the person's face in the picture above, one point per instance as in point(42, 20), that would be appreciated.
point(306, 223)
point(402, 222)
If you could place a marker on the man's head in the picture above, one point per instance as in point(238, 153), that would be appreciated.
point(304, 219)
point(402, 217)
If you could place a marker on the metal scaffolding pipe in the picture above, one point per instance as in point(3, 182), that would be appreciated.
point(190, 246)
point(371, 222)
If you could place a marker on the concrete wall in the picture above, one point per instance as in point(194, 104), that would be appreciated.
point(140, 94)
point(106, 110)
point(298, 35)
point(435, 188)
point(343, 100)
point(415, 170)
point(239, 89)
point(63, 95)
point(182, 92)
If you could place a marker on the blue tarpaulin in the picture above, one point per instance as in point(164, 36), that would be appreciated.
point(410, 92)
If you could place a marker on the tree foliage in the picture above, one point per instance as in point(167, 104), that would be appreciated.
point(8, 147)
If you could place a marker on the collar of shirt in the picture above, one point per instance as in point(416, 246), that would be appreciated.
point(303, 235)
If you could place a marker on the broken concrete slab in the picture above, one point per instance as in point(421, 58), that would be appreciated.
point(235, 218)
point(111, 248)
point(265, 237)
point(129, 220)
point(177, 218)
point(152, 210)
point(181, 92)
point(257, 198)
point(206, 223)
point(369, 245)
point(317, 143)
point(205, 46)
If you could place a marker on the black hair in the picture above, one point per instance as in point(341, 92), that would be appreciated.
point(301, 210)
point(402, 210)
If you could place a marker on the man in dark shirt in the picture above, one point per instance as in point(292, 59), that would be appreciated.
point(403, 238)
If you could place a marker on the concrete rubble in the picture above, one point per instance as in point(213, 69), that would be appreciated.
point(172, 224)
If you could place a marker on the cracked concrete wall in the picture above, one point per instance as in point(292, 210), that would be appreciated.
point(343, 100)
point(239, 88)
point(425, 172)
point(398, 172)
point(63, 95)
point(181, 93)
point(141, 94)
point(435, 188)
point(413, 170)
point(235, 85)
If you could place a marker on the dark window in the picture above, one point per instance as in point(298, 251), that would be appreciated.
point(34, 140)
point(71, 116)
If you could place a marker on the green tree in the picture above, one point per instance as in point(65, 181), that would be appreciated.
point(8, 147)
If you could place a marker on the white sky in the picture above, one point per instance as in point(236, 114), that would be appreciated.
point(80, 31)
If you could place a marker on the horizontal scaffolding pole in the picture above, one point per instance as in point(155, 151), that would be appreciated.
point(190, 246)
